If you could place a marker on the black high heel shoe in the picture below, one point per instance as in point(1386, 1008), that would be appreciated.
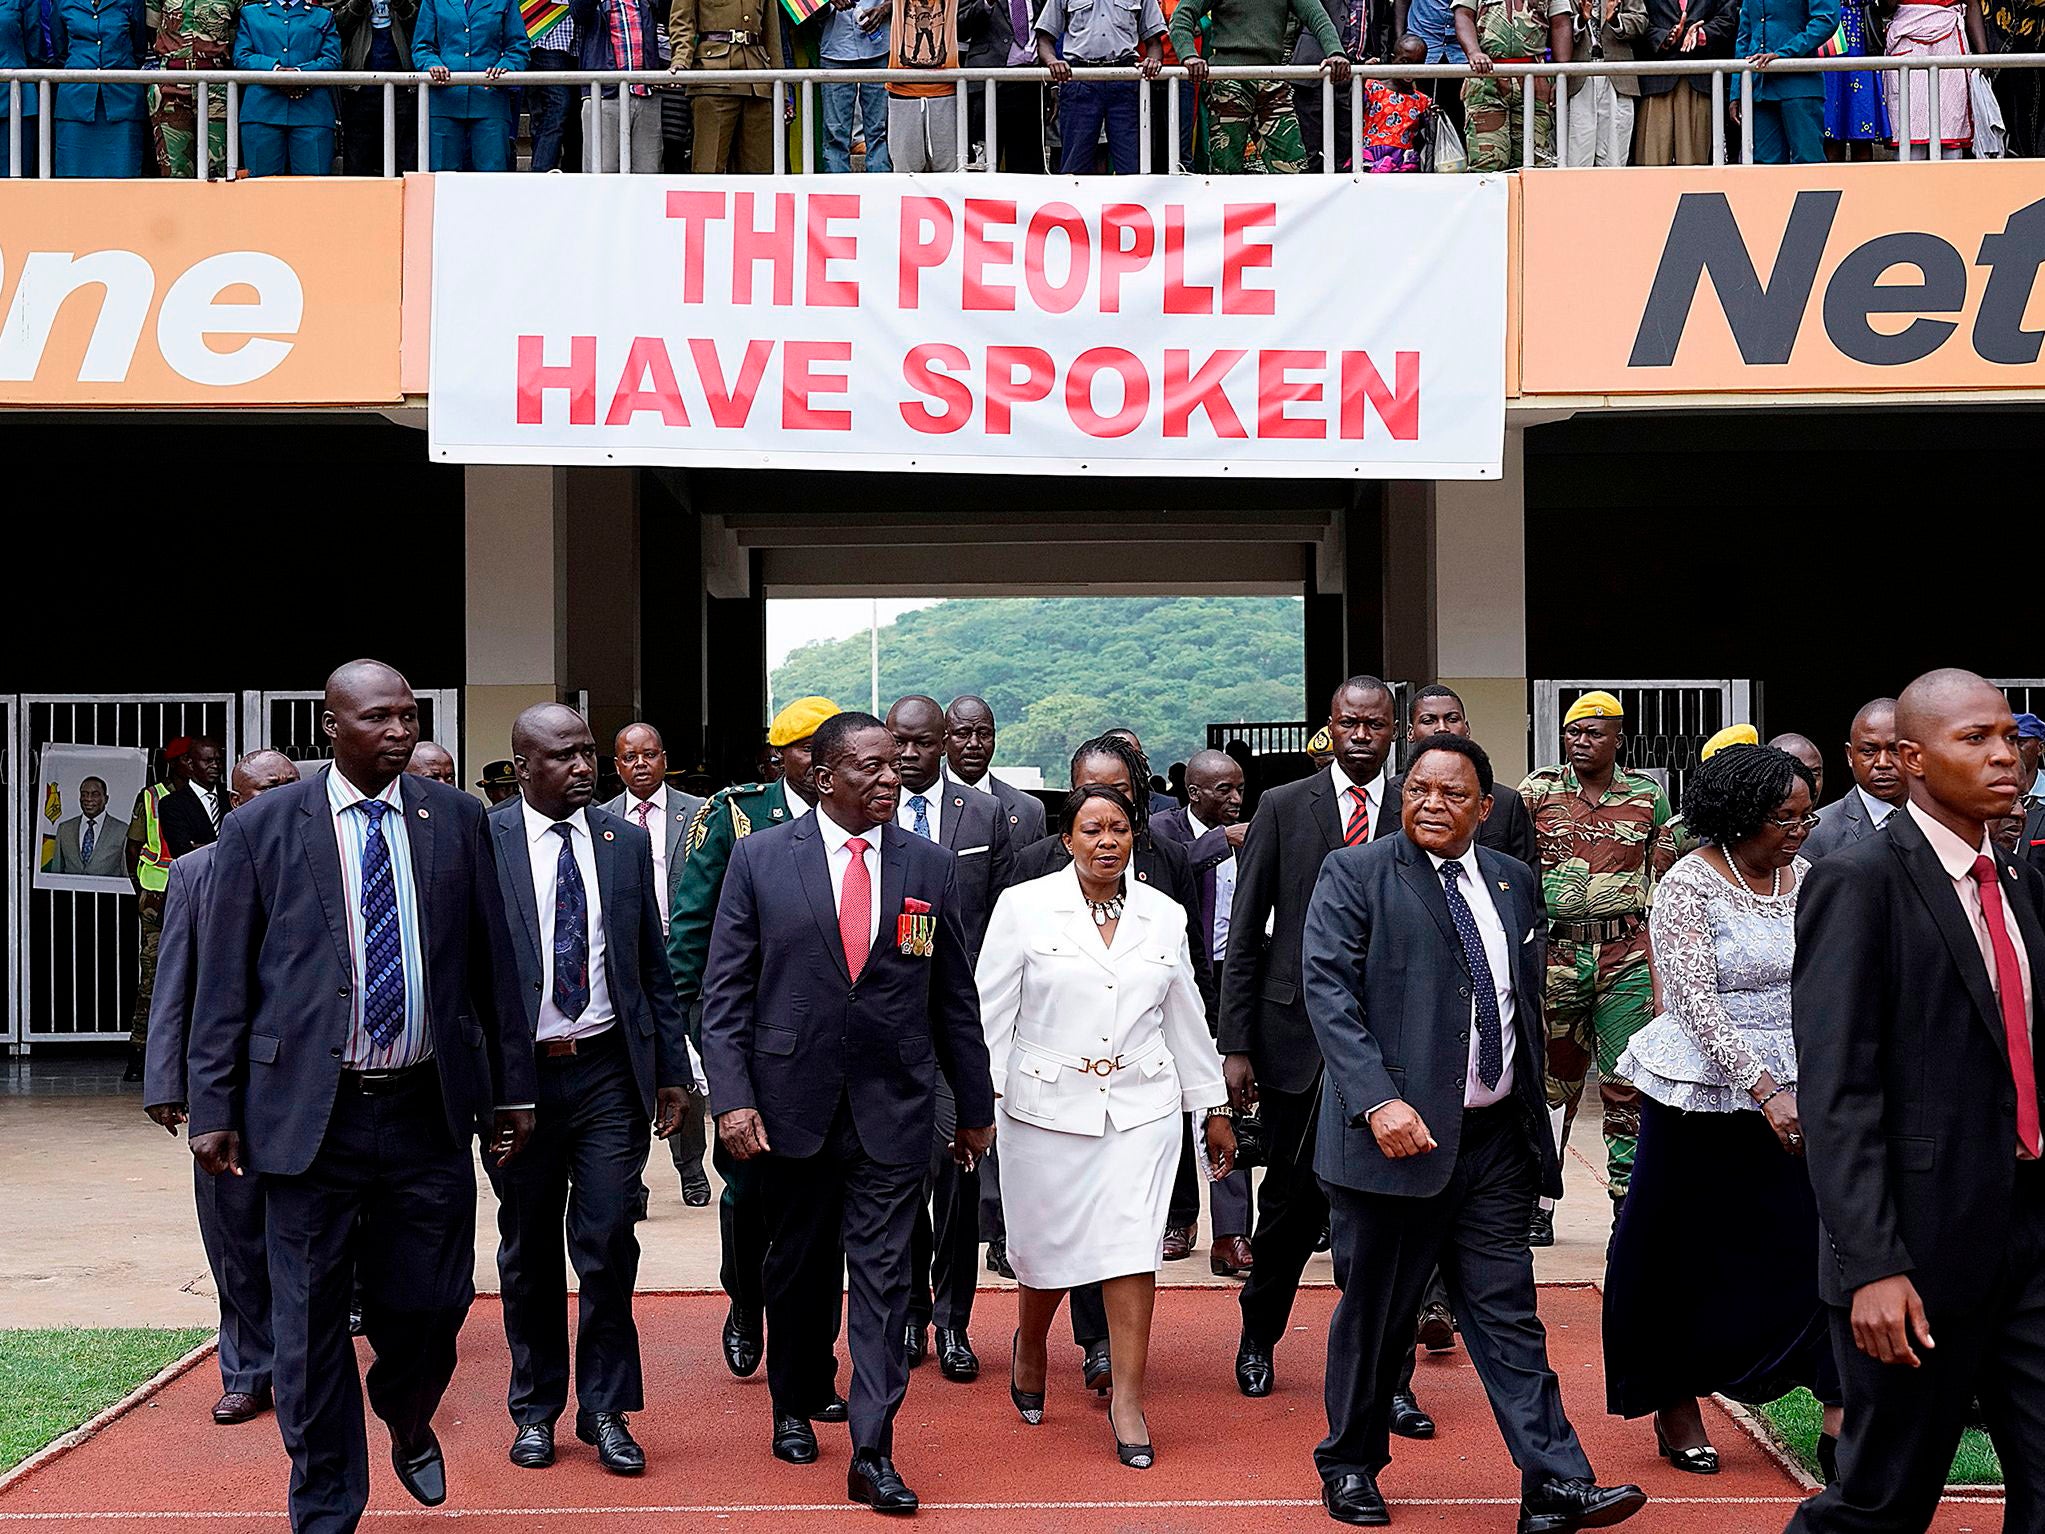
point(1137, 1456)
point(1702, 1461)
point(1028, 1405)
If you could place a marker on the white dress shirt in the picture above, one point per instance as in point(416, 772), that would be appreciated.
point(543, 849)
point(1373, 793)
point(91, 828)
point(1498, 955)
point(1224, 889)
point(209, 800)
point(654, 821)
point(1878, 810)
point(838, 858)
point(905, 816)
point(1957, 859)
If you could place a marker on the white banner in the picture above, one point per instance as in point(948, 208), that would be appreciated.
point(1289, 325)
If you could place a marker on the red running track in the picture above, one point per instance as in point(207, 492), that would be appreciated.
point(1224, 1462)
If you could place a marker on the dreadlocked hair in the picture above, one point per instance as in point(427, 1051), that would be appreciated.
point(1731, 797)
point(1125, 751)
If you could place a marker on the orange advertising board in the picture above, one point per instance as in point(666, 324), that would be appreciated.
point(154, 293)
point(1807, 278)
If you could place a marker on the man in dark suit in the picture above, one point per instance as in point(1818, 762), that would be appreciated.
point(1878, 790)
point(824, 1060)
point(349, 1060)
point(191, 817)
point(1423, 979)
point(1915, 1002)
point(1267, 1044)
point(1436, 710)
point(612, 1053)
point(945, 1252)
point(230, 1208)
point(969, 754)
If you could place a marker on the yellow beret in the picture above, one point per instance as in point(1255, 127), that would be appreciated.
point(799, 720)
point(1731, 735)
point(1321, 740)
point(1594, 705)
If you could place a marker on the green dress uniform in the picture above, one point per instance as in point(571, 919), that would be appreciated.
point(191, 34)
point(734, 124)
point(1600, 860)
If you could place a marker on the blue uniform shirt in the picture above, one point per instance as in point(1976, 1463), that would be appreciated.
point(471, 36)
point(287, 32)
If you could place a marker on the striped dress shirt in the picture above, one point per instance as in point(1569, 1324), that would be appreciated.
point(413, 1042)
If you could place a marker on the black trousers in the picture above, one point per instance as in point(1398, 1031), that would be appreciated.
point(839, 1211)
point(1019, 125)
point(1902, 1424)
point(686, 1145)
point(1386, 1248)
point(231, 1227)
point(1291, 1211)
point(578, 1172)
point(390, 1159)
point(741, 1230)
point(944, 1254)
point(1089, 1309)
point(362, 130)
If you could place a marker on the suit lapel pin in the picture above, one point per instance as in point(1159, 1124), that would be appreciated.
point(777, 814)
point(424, 813)
point(610, 836)
point(1503, 885)
point(958, 804)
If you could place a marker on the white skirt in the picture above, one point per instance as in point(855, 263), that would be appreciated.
point(1084, 1208)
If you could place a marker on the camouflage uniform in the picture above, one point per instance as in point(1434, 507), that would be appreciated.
point(1512, 32)
point(149, 907)
point(1599, 864)
point(1252, 129)
point(191, 34)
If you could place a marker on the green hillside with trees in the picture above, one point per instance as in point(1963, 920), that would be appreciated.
point(1060, 669)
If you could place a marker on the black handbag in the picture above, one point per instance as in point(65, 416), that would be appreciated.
point(1250, 1148)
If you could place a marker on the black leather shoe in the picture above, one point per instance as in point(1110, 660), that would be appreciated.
point(355, 1320)
point(1354, 1499)
point(1542, 1231)
point(1408, 1420)
point(742, 1342)
point(1557, 1506)
point(956, 1359)
point(1437, 1329)
point(915, 1343)
point(997, 1259)
point(794, 1440)
point(696, 1194)
point(835, 1410)
point(1324, 1240)
point(1254, 1374)
point(616, 1449)
point(421, 1471)
point(873, 1481)
point(1097, 1368)
point(533, 1446)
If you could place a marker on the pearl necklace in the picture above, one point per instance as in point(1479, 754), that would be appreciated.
point(1739, 872)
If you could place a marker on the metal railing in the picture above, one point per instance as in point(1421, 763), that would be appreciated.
point(799, 86)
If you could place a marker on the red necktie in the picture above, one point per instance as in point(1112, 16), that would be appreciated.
point(2009, 985)
point(642, 809)
point(1358, 831)
point(856, 900)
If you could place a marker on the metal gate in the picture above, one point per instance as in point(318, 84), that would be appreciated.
point(78, 951)
point(290, 722)
point(2026, 694)
point(1667, 722)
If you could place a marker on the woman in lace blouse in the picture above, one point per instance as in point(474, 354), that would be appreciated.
point(1711, 1287)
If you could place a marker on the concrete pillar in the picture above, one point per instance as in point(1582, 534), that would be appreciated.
point(516, 588)
point(1480, 603)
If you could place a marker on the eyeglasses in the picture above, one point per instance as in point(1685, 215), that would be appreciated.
point(973, 732)
point(1800, 823)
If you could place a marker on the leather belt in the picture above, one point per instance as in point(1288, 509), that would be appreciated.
point(1608, 930)
point(585, 1044)
point(738, 39)
point(384, 1083)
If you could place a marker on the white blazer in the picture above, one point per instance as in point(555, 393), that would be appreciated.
point(1081, 1034)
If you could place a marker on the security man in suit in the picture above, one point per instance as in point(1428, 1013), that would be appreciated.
point(969, 734)
point(734, 124)
point(1421, 964)
point(357, 1023)
point(946, 1246)
point(231, 1224)
point(727, 818)
point(191, 816)
point(663, 813)
point(579, 896)
point(823, 1062)
point(1267, 1044)
point(1878, 790)
point(1436, 710)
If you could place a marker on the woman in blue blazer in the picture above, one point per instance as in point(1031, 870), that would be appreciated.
point(100, 129)
point(21, 47)
point(472, 124)
point(287, 130)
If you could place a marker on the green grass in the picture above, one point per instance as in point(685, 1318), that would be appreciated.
point(1795, 1420)
point(50, 1381)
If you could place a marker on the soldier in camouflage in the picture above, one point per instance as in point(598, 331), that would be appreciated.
point(1510, 32)
point(1251, 125)
point(1604, 836)
point(190, 34)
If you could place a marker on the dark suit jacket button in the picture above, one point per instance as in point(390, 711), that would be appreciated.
point(1464, 992)
point(335, 1053)
point(344, 990)
point(536, 985)
point(1463, 1037)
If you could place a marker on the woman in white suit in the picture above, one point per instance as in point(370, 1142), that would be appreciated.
point(1098, 1042)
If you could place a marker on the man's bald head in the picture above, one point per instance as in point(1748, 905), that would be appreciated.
point(258, 772)
point(917, 723)
point(432, 760)
point(542, 723)
point(358, 675)
point(372, 719)
point(1957, 742)
point(1214, 788)
point(1938, 697)
point(1806, 751)
point(555, 757)
point(919, 709)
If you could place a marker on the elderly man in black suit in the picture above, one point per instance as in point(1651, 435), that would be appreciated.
point(1878, 789)
point(838, 986)
point(945, 1260)
point(612, 1054)
point(1916, 1016)
point(357, 1022)
point(1267, 1043)
point(230, 1208)
point(1423, 972)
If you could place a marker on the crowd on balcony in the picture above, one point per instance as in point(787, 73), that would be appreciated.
point(1072, 125)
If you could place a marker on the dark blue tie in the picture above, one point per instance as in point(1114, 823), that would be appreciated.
point(1490, 1035)
point(383, 955)
point(85, 846)
point(921, 806)
point(571, 930)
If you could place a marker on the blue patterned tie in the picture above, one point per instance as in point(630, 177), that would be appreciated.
point(85, 847)
point(921, 806)
point(571, 930)
point(1490, 1035)
point(383, 956)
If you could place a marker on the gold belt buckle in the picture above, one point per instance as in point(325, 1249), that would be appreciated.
point(1103, 1066)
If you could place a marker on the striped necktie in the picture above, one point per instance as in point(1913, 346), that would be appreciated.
point(1358, 830)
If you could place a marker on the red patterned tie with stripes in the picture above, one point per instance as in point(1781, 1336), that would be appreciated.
point(1358, 830)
